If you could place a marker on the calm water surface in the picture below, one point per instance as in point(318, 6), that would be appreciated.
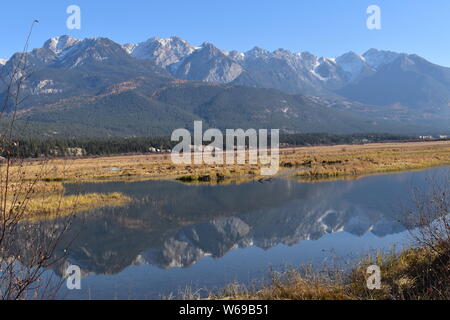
point(174, 235)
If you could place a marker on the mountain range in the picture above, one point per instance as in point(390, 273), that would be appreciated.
point(97, 87)
point(349, 75)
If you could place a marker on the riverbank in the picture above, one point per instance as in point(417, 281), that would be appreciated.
point(415, 274)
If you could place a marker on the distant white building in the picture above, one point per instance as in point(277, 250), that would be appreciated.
point(195, 148)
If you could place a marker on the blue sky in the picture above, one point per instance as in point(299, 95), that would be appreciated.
point(323, 27)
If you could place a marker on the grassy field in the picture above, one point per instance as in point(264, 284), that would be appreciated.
point(311, 163)
point(353, 161)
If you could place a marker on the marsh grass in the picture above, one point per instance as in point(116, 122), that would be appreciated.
point(53, 206)
point(413, 274)
point(371, 159)
point(293, 284)
point(45, 198)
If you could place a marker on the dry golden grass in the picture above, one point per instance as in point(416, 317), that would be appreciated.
point(306, 162)
point(414, 274)
point(352, 161)
point(32, 195)
point(289, 285)
point(55, 205)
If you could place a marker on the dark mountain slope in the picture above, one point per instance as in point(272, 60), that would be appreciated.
point(409, 81)
point(124, 114)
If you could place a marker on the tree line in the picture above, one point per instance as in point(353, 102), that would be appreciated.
point(38, 148)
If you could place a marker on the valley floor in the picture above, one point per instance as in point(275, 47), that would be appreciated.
point(311, 163)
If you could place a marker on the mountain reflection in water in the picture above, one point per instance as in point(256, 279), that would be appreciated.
point(174, 235)
point(175, 225)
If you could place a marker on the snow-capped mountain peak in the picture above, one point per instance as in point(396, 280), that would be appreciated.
point(212, 50)
point(59, 44)
point(236, 55)
point(173, 53)
point(91, 50)
point(309, 60)
point(258, 52)
point(352, 63)
point(350, 56)
point(129, 47)
point(376, 58)
point(3, 62)
point(283, 53)
point(164, 52)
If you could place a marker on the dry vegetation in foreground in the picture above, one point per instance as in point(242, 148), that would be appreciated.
point(414, 274)
point(322, 162)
